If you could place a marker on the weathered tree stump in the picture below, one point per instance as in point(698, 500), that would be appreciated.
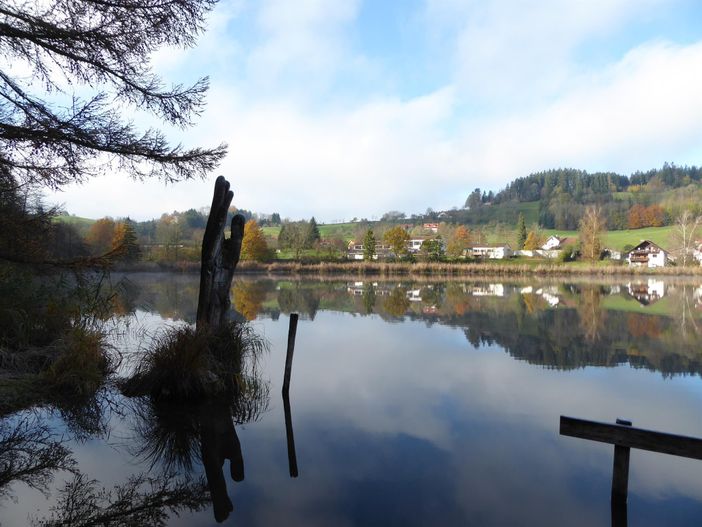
point(219, 258)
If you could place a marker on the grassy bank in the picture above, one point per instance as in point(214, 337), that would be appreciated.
point(461, 269)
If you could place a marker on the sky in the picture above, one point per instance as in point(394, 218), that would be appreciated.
point(343, 109)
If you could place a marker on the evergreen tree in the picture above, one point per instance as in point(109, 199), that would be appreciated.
point(521, 231)
point(369, 245)
point(313, 235)
point(101, 51)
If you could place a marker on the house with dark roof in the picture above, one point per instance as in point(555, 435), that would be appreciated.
point(648, 254)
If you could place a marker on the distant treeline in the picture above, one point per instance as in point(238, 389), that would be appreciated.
point(561, 196)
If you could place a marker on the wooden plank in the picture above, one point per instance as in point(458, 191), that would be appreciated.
point(627, 436)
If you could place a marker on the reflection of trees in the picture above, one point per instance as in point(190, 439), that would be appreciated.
point(30, 453)
point(299, 299)
point(643, 326)
point(368, 297)
point(141, 501)
point(397, 303)
point(591, 318)
point(248, 298)
point(686, 314)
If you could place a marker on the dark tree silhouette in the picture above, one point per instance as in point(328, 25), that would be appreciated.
point(49, 136)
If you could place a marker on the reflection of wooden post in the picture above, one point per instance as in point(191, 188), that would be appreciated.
point(620, 470)
point(292, 456)
point(292, 331)
point(219, 258)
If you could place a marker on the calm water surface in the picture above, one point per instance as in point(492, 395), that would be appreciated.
point(431, 403)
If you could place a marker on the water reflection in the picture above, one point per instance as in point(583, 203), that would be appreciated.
point(181, 437)
point(143, 500)
point(30, 453)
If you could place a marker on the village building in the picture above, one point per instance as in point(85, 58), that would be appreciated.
point(648, 254)
point(355, 251)
point(433, 227)
point(495, 252)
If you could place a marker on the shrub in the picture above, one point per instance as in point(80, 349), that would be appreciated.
point(186, 363)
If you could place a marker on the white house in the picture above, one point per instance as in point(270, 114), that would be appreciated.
point(414, 244)
point(495, 252)
point(553, 242)
point(648, 254)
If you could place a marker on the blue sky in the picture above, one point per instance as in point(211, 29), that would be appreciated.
point(352, 108)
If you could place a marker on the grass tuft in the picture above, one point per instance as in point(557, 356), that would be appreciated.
point(189, 364)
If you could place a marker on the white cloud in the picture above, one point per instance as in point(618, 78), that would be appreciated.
point(512, 52)
point(293, 153)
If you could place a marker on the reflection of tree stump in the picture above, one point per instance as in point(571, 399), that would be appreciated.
point(219, 258)
point(219, 442)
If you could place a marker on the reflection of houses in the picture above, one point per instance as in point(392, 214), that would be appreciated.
point(647, 293)
point(498, 251)
point(648, 254)
point(550, 294)
point(359, 288)
point(414, 295)
point(488, 290)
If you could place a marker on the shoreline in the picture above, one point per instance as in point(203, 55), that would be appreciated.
point(439, 269)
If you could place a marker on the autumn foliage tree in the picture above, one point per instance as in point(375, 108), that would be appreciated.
point(532, 241)
point(254, 245)
point(100, 235)
point(458, 242)
point(592, 227)
point(640, 216)
point(124, 241)
point(397, 239)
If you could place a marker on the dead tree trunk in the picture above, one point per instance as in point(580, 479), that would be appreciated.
point(219, 258)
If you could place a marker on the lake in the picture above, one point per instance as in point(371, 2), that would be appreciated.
point(411, 403)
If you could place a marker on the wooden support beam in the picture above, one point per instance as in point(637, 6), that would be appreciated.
point(620, 470)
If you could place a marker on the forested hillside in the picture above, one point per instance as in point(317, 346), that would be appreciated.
point(557, 198)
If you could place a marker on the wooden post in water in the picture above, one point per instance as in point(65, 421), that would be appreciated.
point(292, 455)
point(219, 258)
point(620, 470)
point(624, 437)
point(292, 331)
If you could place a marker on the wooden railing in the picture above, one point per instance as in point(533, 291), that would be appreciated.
point(624, 437)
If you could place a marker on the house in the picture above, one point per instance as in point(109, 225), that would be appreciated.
point(496, 252)
point(557, 243)
point(648, 254)
point(433, 227)
point(355, 251)
point(415, 244)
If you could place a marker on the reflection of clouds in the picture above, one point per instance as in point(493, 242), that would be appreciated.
point(426, 380)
